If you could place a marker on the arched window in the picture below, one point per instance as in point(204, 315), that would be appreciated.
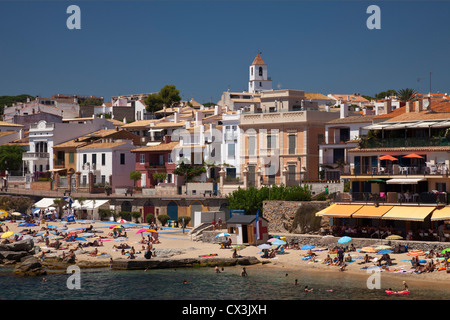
point(260, 71)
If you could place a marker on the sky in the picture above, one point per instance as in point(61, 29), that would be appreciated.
point(206, 47)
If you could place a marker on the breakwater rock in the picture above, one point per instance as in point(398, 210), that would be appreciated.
point(30, 266)
point(155, 263)
point(17, 250)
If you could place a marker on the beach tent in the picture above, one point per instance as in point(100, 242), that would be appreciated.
point(44, 203)
point(91, 206)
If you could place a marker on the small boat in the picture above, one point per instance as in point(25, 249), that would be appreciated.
point(403, 292)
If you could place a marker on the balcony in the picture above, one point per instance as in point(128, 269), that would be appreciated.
point(35, 155)
point(439, 169)
point(405, 142)
point(434, 197)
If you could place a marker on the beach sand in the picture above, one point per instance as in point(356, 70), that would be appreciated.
point(176, 244)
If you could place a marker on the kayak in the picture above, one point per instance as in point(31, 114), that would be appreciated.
point(403, 292)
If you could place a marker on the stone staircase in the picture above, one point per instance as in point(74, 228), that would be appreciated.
point(196, 233)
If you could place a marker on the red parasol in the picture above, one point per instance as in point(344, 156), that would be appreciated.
point(388, 157)
point(413, 156)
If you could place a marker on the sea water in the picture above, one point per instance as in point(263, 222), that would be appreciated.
point(204, 284)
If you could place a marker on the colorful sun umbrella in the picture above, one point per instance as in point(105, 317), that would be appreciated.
point(273, 239)
point(344, 239)
point(368, 250)
point(239, 247)
point(264, 246)
point(445, 251)
point(141, 230)
point(278, 242)
point(415, 253)
point(307, 247)
point(7, 234)
point(151, 230)
point(223, 234)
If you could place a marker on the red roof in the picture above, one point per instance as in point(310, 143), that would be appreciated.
point(258, 60)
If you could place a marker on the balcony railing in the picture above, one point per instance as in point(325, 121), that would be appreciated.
point(35, 155)
point(431, 169)
point(405, 142)
point(393, 197)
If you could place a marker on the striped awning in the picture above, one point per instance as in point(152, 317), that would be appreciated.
point(408, 213)
point(371, 212)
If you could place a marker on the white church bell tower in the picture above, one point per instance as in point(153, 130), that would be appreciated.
point(258, 76)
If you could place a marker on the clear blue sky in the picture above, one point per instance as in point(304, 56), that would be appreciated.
point(205, 47)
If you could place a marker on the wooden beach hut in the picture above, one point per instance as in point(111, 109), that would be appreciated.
point(244, 227)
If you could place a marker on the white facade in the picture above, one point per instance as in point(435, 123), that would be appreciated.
point(43, 136)
point(109, 162)
point(231, 144)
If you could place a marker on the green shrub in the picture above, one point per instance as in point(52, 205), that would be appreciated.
point(163, 218)
point(149, 218)
point(186, 220)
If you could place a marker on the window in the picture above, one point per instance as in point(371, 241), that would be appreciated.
point(122, 158)
point(231, 150)
point(94, 158)
point(271, 141)
point(251, 145)
point(260, 72)
point(103, 177)
point(231, 173)
point(71, 157)
point(84, 180)
point(103, 159)
point(142, 158)
point(251, 71)
point(292, 142)
point(84, 158)
point(169, 158)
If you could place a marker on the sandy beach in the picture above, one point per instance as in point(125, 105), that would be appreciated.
point(176, 244)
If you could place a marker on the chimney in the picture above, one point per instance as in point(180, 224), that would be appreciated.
point(217, 110)
point(387, 106)
point(344, 110)
point(198, 118)
point(176, 117)
point(418, 105)
point(408, 106)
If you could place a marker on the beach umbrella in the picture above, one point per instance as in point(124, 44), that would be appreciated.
point(141, 230)
point(394, 237)
point(278, 242)
point(52, 227)
point(383, 247)
point(15, 213)
point(445, 251)
point(121, 239)
point(368, 250)
point(117, 227)
point(27, 224)
point(239, 247)
point(384, 251)
point(415, 253)
point(344, 239)
point(307, 247)
point(273, 239)
point(7, 234)
point(264, 246)
point(3, 213)
point(223, 234)
point(122, 221)
point(80, 239)
point(152, 230)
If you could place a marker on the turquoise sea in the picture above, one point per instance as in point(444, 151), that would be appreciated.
point(204, 284)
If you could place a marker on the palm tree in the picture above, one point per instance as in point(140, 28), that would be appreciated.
point(406, 94)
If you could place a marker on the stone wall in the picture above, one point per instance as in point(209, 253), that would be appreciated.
point(294, 216)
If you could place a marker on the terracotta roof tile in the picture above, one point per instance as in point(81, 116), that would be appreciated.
point(258, 60)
